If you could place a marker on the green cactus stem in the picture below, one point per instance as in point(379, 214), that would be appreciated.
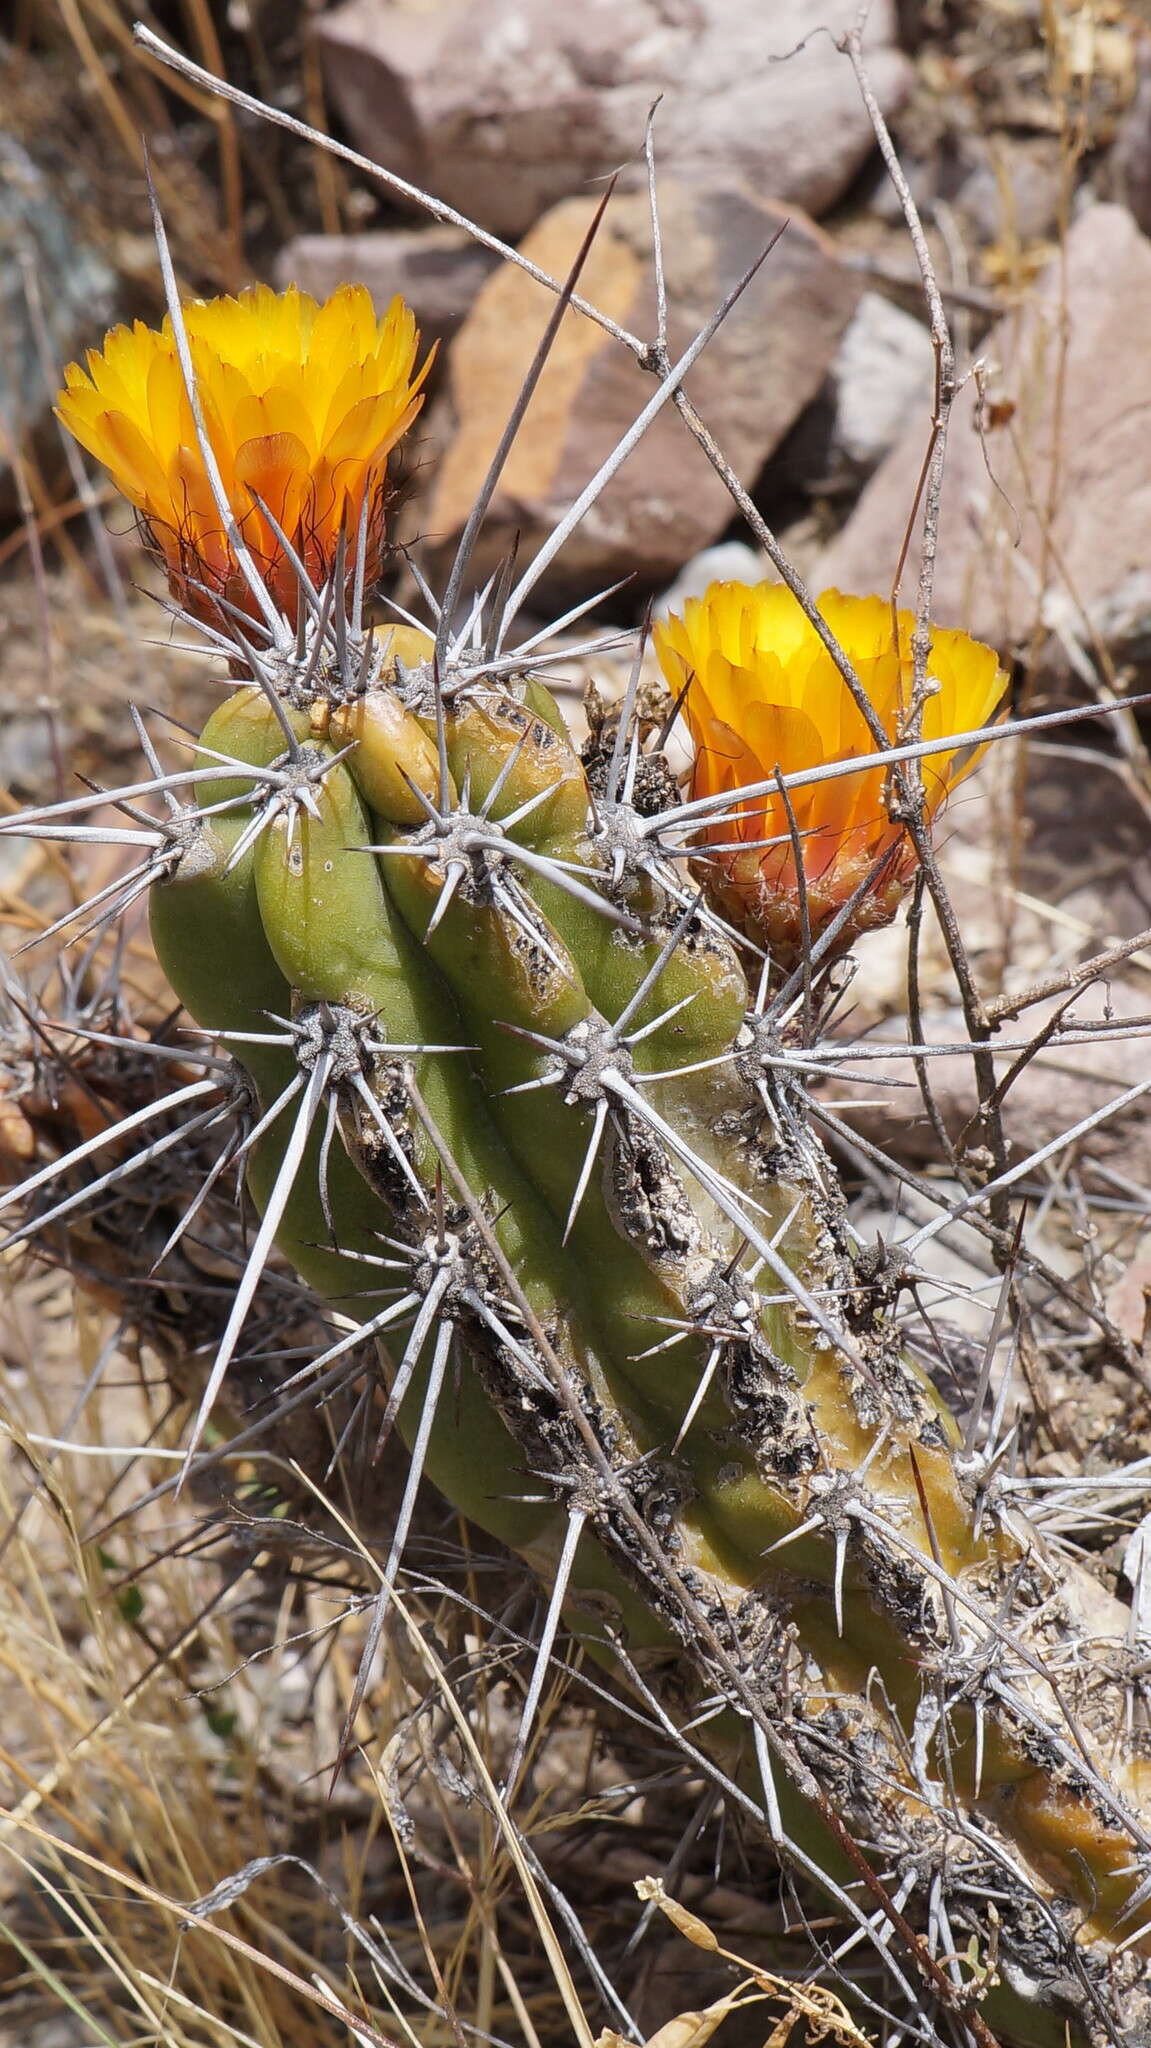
point(507, 1011)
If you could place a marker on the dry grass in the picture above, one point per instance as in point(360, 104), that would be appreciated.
point(182, 1864)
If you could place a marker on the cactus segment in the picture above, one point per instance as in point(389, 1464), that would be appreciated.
point(246, 730)
point(695, 980)
point(511, 761)
point(538, 699)
point(396, 762)
point(210, 938)
point(630, 1153)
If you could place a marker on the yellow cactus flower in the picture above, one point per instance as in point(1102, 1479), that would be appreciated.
point(302, 403)
point(762, 692)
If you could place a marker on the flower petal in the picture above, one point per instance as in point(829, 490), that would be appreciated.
point(273, 468)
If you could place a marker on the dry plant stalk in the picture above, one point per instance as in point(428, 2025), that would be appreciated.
point(512, 1048)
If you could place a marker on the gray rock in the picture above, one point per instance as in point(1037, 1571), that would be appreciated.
point(883, 378)
point(1016, 193)
point(1128, 175)
point(730, 561)
point(438, 270)
point(503, 107)
point(1071, 381)
point(42, 266)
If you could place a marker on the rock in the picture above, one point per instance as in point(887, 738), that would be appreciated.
point(883, 376)
point(666, 503)
point(503, 107)
point(1129, 170)
point(42, 264)
point(1015, 192)
point(1070, 378)
point(437, 270)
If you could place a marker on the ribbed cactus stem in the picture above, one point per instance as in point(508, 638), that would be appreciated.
point(510, 998)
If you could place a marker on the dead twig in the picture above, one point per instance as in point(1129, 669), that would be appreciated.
point(1005, 1007)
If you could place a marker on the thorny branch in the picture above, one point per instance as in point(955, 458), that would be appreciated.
point(1002, 1008)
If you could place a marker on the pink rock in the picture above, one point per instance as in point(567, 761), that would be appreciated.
point(666, 503)
point(503, 107)
point(1046, 516)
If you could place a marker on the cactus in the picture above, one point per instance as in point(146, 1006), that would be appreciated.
point(618, 1150)
point(526, 1105)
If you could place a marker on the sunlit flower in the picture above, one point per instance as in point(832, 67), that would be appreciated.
point(302, 404)
point(762, 692)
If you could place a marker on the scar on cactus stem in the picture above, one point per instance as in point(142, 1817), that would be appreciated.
point(302, 404)
point(761, 693)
